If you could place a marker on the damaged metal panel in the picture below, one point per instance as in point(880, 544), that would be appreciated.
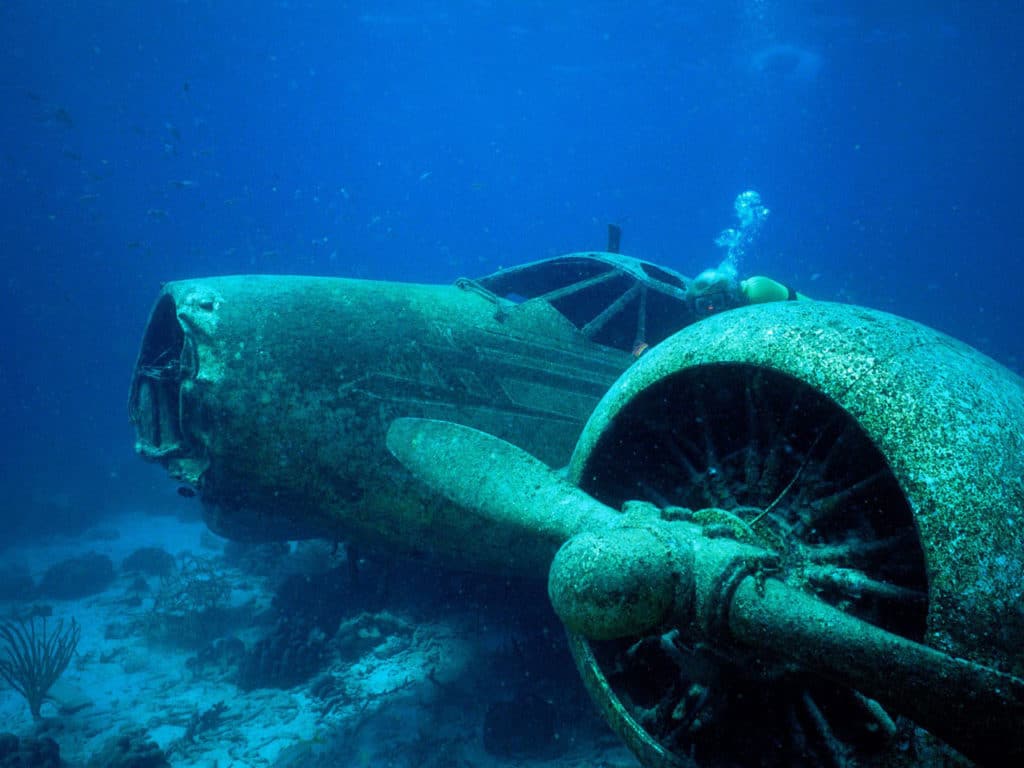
point(271, 395)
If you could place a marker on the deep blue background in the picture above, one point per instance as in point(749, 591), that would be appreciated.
point(148, 141)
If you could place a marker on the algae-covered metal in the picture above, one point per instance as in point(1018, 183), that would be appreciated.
point(779, 587)
point(882, 463)
point(271, 394)
point(650, 582)
point(947, 422)
point(788, 535)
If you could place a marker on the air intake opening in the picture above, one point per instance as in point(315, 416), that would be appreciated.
point(153, 404)
point(762, 452)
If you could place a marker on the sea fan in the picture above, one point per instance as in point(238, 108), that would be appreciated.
point(34, 658)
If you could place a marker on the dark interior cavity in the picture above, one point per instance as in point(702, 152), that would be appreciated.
point(765, 451)
point(155, 392)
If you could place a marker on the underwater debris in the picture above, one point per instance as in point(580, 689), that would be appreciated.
point(290, 655)
point(207, 720)
point(192, 605)
point(218, 661)
point(309, 610)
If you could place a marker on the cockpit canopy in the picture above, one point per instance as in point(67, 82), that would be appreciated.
point(614, 300)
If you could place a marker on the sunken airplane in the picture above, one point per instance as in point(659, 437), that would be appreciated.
point(788, 534)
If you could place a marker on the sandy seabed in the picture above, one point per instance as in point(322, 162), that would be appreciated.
point(407, 692)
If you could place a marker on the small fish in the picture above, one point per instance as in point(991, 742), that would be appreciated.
point(183, 183)
point(186, 492)
point(63, 117)
point(426, 175)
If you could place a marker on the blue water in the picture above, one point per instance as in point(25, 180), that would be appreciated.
point(422, 141)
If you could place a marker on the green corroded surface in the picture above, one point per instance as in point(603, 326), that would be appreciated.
point(509, 510)
point(614, 583)
point(948, 420)
point(629, 582)
point(647, 750)
point(292, 381)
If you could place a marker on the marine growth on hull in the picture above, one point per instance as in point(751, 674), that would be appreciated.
point(760, 457)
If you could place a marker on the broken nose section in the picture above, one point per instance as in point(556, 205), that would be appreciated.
point(166, 365)
point(271, 395)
